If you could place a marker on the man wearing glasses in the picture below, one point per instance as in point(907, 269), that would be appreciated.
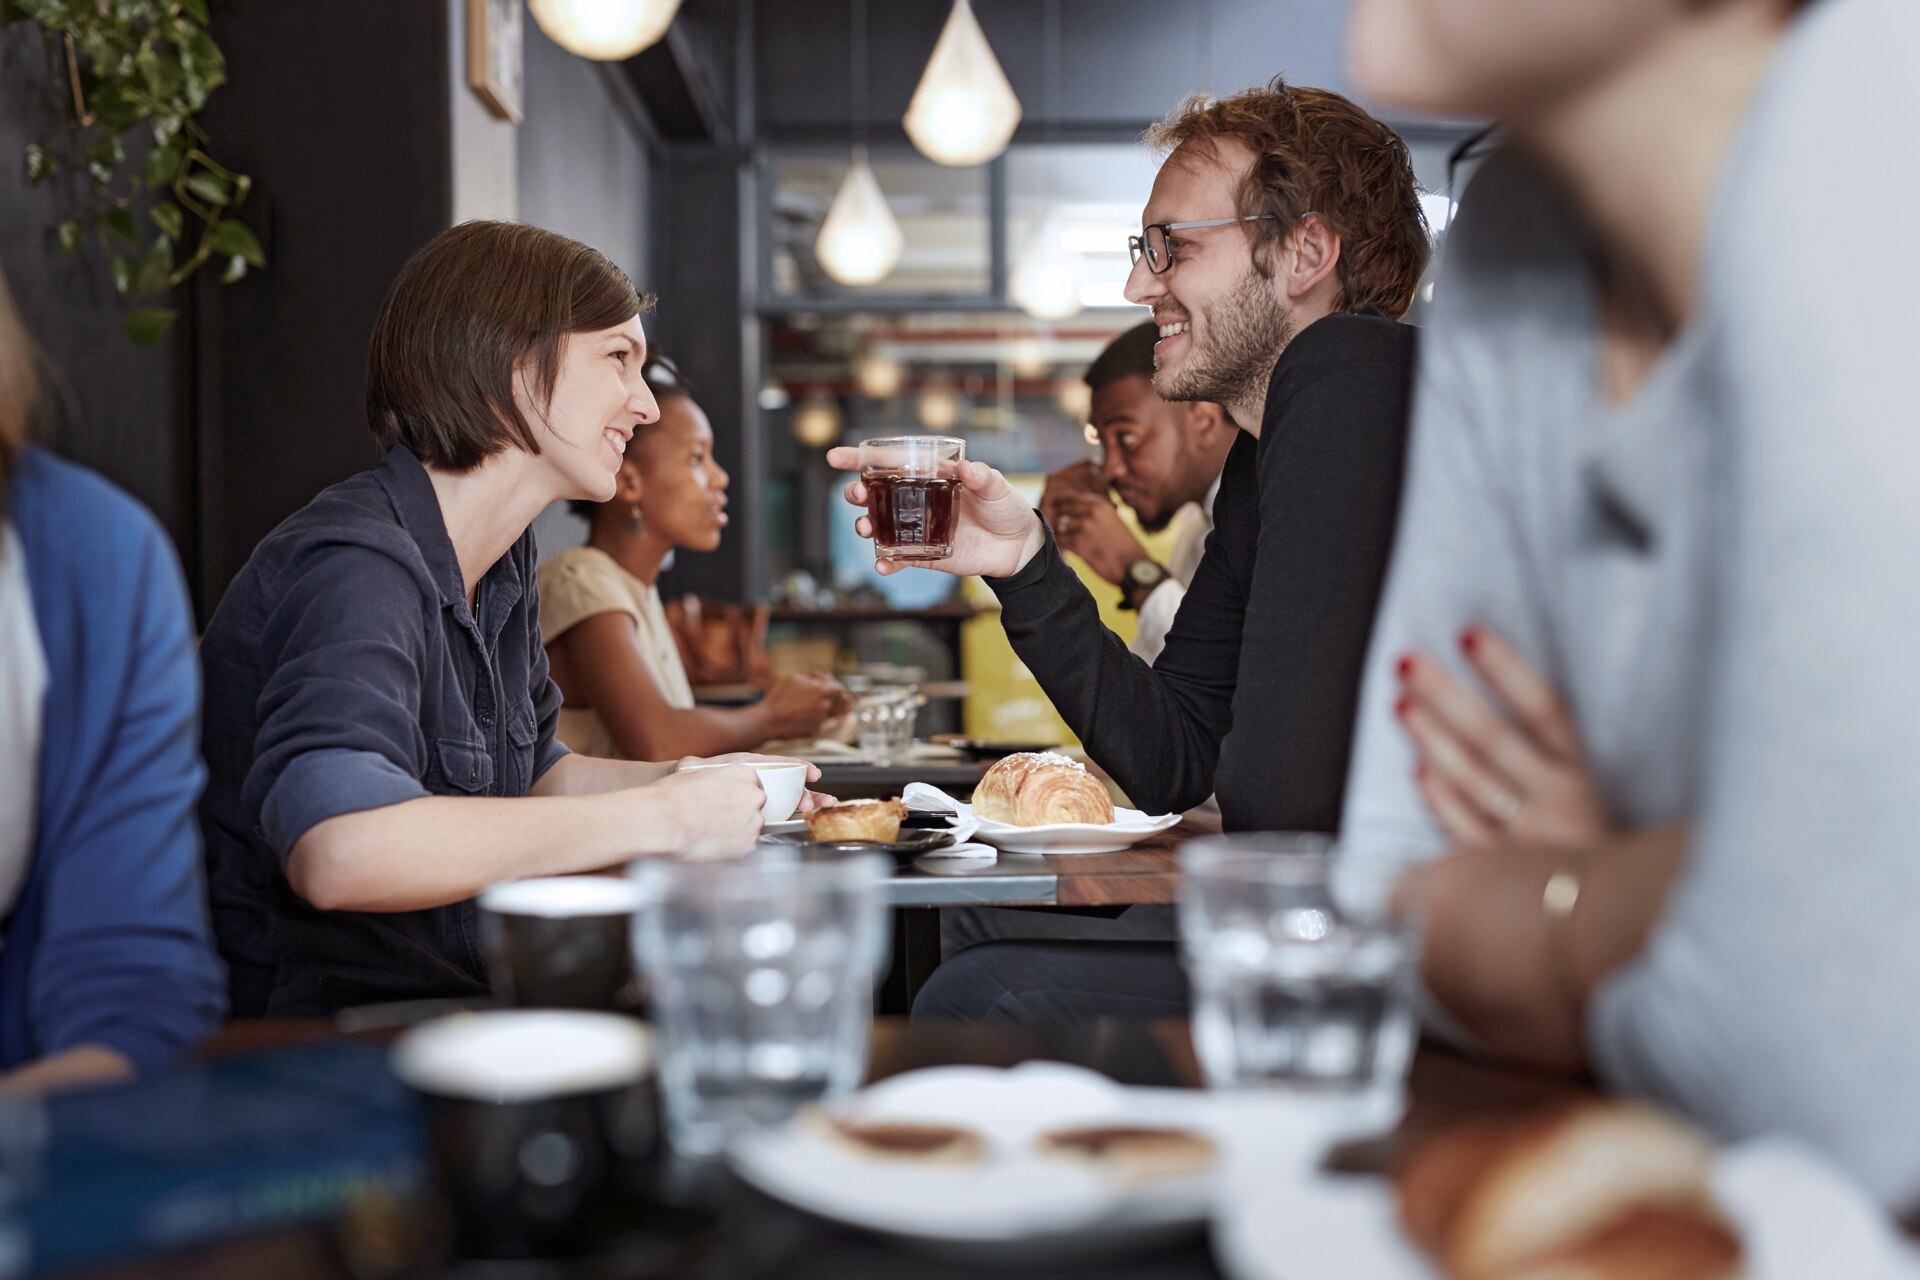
point(1282, 238)
point(1163, 460)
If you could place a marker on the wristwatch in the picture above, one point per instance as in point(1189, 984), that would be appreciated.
point(1141, 578)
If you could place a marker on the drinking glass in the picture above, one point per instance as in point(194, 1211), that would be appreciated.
point(912, 486)
point(1302, 969)
point(884, 720)
point(762, 976)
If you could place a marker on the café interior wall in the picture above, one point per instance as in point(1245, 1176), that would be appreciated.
point(114, 407)
point(584, 167)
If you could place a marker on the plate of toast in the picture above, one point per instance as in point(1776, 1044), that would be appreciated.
point(1042, 1162)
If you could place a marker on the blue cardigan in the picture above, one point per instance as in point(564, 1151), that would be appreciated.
point(109, 942)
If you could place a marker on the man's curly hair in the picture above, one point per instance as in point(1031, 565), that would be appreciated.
point(1316, 152)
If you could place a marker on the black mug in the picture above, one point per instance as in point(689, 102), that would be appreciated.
point(563, 942)
point(541, 1123)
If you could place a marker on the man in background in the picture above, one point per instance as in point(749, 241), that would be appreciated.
point(1163, 460)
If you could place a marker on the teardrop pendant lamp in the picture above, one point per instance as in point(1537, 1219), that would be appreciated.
point(860, 242)
point(964, 110)
point(604, 30)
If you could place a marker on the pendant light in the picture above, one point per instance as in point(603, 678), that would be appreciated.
point(879, 376)
point(964, 111)
point(860, 242)
point(1047, 280)
point(604, 30)
point(817, 422)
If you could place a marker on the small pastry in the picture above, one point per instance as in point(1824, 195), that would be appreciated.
point(875, 820)
point(1136, 1153)
point(902, 1140)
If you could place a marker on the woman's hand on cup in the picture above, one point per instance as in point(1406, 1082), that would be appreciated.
point(995, 532)
point(809, 800)
point(710, 813)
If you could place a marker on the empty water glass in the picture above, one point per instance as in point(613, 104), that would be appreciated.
point(884, 718)
point(1302, 969)
point(762, 975)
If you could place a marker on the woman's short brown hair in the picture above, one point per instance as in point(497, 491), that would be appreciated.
point(1316, 152)
point(477, 303)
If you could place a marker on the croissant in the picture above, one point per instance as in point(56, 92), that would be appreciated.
point(1601, 1189)
point(1035, 788)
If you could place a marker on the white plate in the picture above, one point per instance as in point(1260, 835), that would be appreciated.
point(1287, 1220)
point(1129, 827)
point(1014, 1205)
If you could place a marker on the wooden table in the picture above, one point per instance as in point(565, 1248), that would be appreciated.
point(1145, 873)
point(740, 1235)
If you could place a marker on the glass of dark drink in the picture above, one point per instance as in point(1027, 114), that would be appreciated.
point(913, 486)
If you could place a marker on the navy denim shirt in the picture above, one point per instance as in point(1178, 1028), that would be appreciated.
point(344, 671)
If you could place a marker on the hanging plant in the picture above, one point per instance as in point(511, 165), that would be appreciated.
point(124, 68)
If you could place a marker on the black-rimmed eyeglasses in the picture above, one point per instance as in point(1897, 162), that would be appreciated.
point(1155, 242)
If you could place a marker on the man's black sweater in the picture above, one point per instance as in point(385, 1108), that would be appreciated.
point(1253, 697)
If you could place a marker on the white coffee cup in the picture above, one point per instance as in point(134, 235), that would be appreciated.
point(784, 782)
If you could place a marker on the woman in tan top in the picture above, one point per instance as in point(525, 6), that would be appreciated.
point(608, 641)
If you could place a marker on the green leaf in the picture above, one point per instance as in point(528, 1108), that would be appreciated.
point(147, 325)
point(122, 270)
point(156, 265)
point(72, 235)
point(119, 225)
point(162, 75)
point(234, 238)
point(210, 187)
point(198, 8)
point(40, 164)
point(163, 163)
point(106, 151)
point(236, 267)
point(169, 219)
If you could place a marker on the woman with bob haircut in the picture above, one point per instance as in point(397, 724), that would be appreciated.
point(379, 717)
point(612, 649)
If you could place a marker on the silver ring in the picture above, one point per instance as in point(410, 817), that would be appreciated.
point(1504, 805)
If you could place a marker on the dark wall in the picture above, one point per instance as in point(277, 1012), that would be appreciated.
point(339, 111)
point(118, 408)
point(1122, 63)
point(705, 320)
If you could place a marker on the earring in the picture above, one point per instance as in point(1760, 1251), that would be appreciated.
point(639, 525)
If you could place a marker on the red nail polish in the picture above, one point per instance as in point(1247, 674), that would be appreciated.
point(1400, 706)
point(1404, 667)
point(1470, 640)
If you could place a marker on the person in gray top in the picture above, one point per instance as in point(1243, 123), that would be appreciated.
point(1664, 461)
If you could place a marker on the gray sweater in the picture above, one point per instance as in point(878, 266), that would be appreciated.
point(1720, 575)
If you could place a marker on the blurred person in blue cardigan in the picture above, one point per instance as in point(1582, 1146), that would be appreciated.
point(107, 966)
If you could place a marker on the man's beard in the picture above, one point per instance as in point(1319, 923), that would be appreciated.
point(1245, 333)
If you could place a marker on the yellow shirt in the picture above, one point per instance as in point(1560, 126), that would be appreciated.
point(583, 583)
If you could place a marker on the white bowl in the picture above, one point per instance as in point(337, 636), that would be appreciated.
point(783, 781)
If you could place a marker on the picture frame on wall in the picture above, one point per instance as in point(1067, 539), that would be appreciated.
point(496, 68)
